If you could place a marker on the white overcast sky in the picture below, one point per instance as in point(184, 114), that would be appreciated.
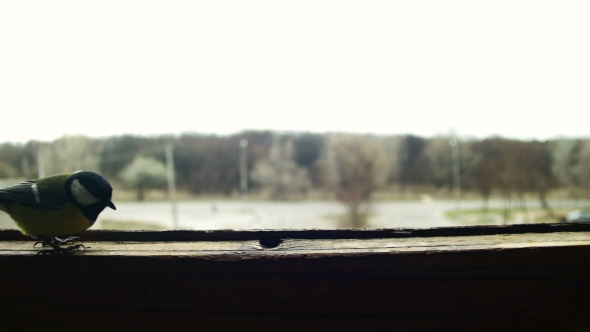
point(515, 68)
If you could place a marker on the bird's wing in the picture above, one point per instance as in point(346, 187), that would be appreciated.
point(27, 193)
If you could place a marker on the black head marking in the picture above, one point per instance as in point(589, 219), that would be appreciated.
point(97, 193)
point(95, 183)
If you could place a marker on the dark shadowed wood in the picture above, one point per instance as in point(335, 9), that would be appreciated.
point(498, 279)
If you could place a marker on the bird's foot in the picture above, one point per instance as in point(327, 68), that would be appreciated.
point(70, 240)
point(47, 242)
point(55, 244)
point(56, 249)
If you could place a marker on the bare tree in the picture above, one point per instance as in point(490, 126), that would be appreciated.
point(538, 173)
point(278, 174)
point(144, 173)
point(580, 171)
point(484, 166)
point(393, 148)
point(439, 161)
point(412, 164)
point(72, 153)
point(355, 167)
point(562, 152)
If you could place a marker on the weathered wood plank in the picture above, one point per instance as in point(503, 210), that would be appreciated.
point(319, 246)
point(497, 282)
point(419, 292)
point(242, 235)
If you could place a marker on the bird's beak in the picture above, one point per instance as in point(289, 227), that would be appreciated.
point(111, 205)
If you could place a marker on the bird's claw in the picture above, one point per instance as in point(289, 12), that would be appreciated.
point(70, 240)
point(60, 250)
point(55, 243)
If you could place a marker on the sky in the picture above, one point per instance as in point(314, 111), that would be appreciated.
point(519, 69)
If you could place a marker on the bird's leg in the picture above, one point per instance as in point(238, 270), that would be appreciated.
point(55, 243)
point(57, 249)
point(55, 240)
point(45, 241)
point(70, 240)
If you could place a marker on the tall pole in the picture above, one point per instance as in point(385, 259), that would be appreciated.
point(244, 169)
point(40, 161)
point(456, 172)
point(171, 184)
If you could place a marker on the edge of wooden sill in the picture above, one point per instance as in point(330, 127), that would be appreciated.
point(270, 234)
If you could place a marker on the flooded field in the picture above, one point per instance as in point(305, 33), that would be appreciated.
point(278, 215)
point(304, 215)
point(207, 215)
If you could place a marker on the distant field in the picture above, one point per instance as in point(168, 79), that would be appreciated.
point(309, 215)
point(208, 215)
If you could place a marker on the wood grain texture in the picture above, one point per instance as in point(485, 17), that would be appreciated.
point(494, 282)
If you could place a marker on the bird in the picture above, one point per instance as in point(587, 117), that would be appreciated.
point(57, 206)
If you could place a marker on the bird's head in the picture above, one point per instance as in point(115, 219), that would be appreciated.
point(91, 192)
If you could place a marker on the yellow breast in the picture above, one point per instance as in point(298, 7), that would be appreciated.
point(34, 222)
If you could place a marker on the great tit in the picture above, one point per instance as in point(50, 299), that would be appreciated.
point(58, 205)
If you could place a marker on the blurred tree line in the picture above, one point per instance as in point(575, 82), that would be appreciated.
point(289, 165)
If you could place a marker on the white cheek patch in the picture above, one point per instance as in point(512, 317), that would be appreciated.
point(36, 193)
point(81, 194)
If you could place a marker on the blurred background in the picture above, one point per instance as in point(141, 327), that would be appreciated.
point(314, 114)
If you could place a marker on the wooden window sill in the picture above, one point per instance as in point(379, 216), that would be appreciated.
point(476, 278)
